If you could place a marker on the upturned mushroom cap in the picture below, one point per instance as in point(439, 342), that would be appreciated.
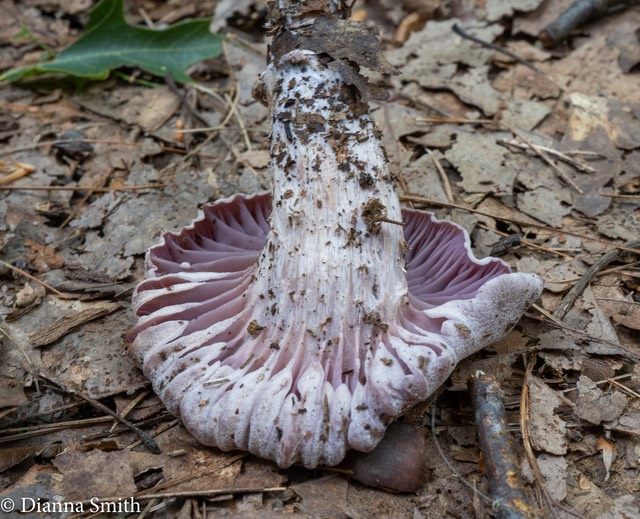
point(281, 389)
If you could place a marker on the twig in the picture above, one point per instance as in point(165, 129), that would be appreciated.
point(524, 242)
point(146, 439)
point(234, 107)
point(33, 278)
point(22, 171)
point(196, 151)
point(552, 321)
point(624, 388)
point(110, 433)
point(389, 220)
point(498, 449)
point(81, 188)
point(443, 176)
point(236, 99)
point(168, 78)
point(424, 200)
point(143, 394)
point(600, 382)
point(548, 315)
point(562, 156)
point(21, 433)
point(543, 156)
point(453, 120)
point(631, 197)
point(567, 302)
point(578, 13)
point(460, 32)
point(162, 428)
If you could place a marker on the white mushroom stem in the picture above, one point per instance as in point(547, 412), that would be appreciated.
point(333, 266)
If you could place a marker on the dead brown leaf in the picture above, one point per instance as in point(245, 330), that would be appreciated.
point(114, 479)
point(547, 430)
point(595, 406)
point(43, 257)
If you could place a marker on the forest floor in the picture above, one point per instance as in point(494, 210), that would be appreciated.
point(544, 149)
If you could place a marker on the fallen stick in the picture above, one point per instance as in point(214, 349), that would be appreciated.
point(576, 15)
point(510, 498)
point(577, 289)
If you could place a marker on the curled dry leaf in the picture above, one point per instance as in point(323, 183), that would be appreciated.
point(607, 455)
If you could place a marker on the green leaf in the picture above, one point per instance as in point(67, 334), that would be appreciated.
point(110, 42)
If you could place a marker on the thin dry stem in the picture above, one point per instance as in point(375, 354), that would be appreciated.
point(132, 405)
point(544, 157)
point(603, 381)
point(443, 176)
point(453, 120)
point(91, 189)
point(562, 156)
point(527, 243)
point(33, 278)
point(608, 244)
point(571, 296)
point(22, 170)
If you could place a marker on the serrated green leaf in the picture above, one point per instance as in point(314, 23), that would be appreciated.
point(109, 42)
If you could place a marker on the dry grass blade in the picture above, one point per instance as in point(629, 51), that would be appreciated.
point(600, 382)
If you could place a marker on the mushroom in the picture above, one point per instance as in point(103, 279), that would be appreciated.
point(298, 324)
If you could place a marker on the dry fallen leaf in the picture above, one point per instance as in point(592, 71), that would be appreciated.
point(595, 406)
point(43, 257)
point(82, 480)
point(30, 294)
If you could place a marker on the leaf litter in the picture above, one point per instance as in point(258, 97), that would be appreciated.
point(449, 133)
